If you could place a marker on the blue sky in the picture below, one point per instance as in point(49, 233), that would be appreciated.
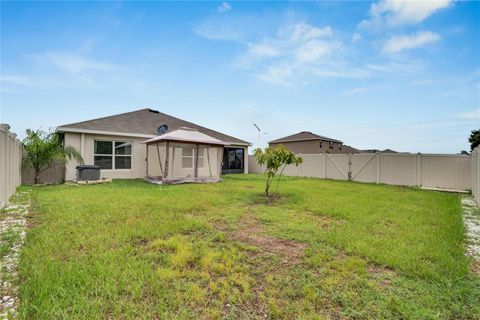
point(403, 75)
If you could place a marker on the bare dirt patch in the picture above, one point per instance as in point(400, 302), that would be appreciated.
point(272, 199)
point(251, 232)
point(324, 221)
point(383, 275)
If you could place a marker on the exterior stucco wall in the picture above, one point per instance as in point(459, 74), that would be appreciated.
point(310, 147)
point(84, 143)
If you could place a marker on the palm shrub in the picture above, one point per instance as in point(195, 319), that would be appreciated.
point(275, 159)
point(43, 149)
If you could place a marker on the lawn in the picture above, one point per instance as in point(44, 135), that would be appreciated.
point(321, 249)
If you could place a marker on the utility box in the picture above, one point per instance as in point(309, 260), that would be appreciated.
point(88, 172)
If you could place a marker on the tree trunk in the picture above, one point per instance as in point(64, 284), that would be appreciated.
point(36, 179)
point(267, 186)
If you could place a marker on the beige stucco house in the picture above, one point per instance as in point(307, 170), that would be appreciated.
point(116, 143)
point(306, 142)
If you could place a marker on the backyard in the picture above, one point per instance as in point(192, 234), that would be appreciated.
point(320, 249)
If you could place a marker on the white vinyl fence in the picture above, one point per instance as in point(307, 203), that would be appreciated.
point(10, 163)
point(426, 170)
point(476, 174)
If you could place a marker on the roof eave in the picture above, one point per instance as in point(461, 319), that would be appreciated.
point(104, 132)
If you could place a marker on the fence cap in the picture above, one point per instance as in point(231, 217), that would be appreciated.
point(4, 127)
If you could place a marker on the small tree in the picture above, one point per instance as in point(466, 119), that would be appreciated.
point(474, 139)
point(42, 150)
point(275, 159)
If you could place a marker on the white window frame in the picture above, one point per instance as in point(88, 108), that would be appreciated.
point(330, 145)
point(113, 154)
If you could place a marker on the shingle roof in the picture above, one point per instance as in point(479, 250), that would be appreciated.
point(302, 136)
point(145, 121)
point(350, 149)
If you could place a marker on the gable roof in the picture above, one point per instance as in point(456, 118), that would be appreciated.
point(186, 135)
point(304, 136)
point(381, 151)
point(350, 149)
point(142, 123)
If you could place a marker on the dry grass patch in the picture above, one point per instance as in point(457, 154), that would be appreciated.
point(251, 232)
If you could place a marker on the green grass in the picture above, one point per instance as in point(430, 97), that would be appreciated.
point(131, 249)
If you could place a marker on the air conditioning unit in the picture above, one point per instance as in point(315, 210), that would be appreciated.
point(88, 173)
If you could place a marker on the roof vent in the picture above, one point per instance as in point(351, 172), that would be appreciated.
point(162, 129)
point(154, 111)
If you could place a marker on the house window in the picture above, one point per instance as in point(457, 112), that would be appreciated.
point(187, 157)
point(330, 145)
point(320, 144)
point(112, 155)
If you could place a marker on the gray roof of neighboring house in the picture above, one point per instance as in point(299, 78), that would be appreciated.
point(377, 150)
point(144, 121)
point(350, 149)
point(303, 136)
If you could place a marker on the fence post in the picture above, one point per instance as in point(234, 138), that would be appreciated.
point(419, 170)
point(474, 172)
point(3, 162)
point(349, 173)
point(10, 164)
point(324, 165)
point(378, 168)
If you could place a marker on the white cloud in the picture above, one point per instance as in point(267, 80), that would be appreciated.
point(356, 37)
point(399, 43)
point(73, 63)
point(313, 51)
point(224, 7)
point(297, 50)
point(263, 50)
point(470, 115)
point(355, 91)
point(223, 32)
point(402, 12)
point(280, 74)
point(306, 32)
point(19, 79)
point(422, 82)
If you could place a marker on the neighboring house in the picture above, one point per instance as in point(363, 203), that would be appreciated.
point(309, 143)
point(378, 151)
point(115, 143)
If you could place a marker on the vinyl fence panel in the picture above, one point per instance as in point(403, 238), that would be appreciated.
point(476, 174)
point(427, 170)
point(398, 169)
point(53, 175)
point(10, 163)
point(364, 167)
point(446, 171)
